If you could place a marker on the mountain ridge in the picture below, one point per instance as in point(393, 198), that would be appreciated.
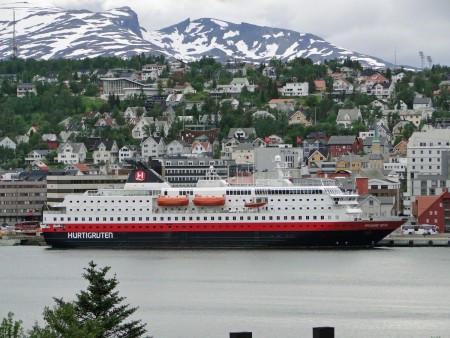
point(47, 33)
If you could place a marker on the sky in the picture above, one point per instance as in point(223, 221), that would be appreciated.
point(393, 30)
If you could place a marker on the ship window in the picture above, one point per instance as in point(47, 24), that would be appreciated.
point(82, 219)
point(248, 218)
point(292, 217)
point(97, 219)
point(234, 218)
point(227, 218)
point(169, 218)
point(118, 218)
point(198, 218)
point(219, 218)
point(263, 218)
point(90, 219)
point(146, 218)
point(241, 218)
point(322, 217)
point(212, 218)
point(205, 218)
point(270, 218)
point(104, 218)
point(190, 218)
point(307, 217)
point(132, 218)
point(111, 218)
point(154, 219)
point(278, 218)
point(285, 218)
point(300, 217)
point(76, 218)
point(161, 219)
point(125, 218)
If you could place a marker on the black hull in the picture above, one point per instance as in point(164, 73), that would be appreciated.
point(222, 240)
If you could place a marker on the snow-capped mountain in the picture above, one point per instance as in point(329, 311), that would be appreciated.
point(47, 33)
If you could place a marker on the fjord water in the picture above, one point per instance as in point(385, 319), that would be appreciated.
point(384, 292)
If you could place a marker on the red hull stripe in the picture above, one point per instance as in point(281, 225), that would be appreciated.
point(224, 227)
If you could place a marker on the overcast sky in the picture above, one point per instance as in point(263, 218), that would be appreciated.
point(394, 30)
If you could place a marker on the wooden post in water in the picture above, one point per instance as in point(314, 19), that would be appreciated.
point(240, 335)
point(323, 332)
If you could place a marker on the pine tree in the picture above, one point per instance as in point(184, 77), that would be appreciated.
point(97, 312)
point(102, 304)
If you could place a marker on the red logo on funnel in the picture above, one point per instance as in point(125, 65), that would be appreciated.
point(139, 176)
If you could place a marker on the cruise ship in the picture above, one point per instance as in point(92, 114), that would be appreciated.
point(271, 213)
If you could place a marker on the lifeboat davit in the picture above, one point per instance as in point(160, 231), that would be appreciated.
point(173, 201)
point(209, 201)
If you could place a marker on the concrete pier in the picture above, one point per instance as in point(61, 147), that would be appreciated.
point(438, 240)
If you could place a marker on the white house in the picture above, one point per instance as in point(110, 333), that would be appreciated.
point(71, 153)
point(151, 71)
point(6, 142)
point(342, 85)
point(346, 117)
point(36, 155)
point(133, 113)
point(153, 147)
point(185, 88)
point(24, 88)
point(200, 147)
point(174, 100)
point(295, 89)
point(143, 127)
point(178, 147)
point(128, 151)
point(422, 102)
point(105, 151)
point(242, 133)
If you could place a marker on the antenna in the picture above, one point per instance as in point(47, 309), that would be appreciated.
point(430, 62)
point(422, 56)
point(395, 58)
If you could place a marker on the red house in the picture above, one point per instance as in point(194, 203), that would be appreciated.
point(340, 145)
point(432, 210)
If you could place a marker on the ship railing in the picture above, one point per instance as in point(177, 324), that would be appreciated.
point(317, 182)
point(120, 192)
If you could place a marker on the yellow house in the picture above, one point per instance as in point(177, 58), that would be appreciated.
point(319, 155)
point(298, 117)
point(346, 162)
point(401, 148)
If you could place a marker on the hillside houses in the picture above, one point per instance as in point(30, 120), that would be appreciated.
point(182, 117)
point(346, 117)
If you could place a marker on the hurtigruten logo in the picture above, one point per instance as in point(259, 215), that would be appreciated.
point(90, 235)
point(139, 176)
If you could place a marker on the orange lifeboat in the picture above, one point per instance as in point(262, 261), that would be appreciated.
point(209, 201)
point(173, 201)
point(256, 203)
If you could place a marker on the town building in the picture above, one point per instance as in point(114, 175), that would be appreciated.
point(428, 165)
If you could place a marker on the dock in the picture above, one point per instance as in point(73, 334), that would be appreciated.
point(400, 240)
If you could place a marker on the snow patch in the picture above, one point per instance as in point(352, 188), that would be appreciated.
point(278, 35)
point(220, 23)
point(230, 34)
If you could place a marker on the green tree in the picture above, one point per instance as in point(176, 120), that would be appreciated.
point(10, 328)
point(102, 303)
point(97, 312)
